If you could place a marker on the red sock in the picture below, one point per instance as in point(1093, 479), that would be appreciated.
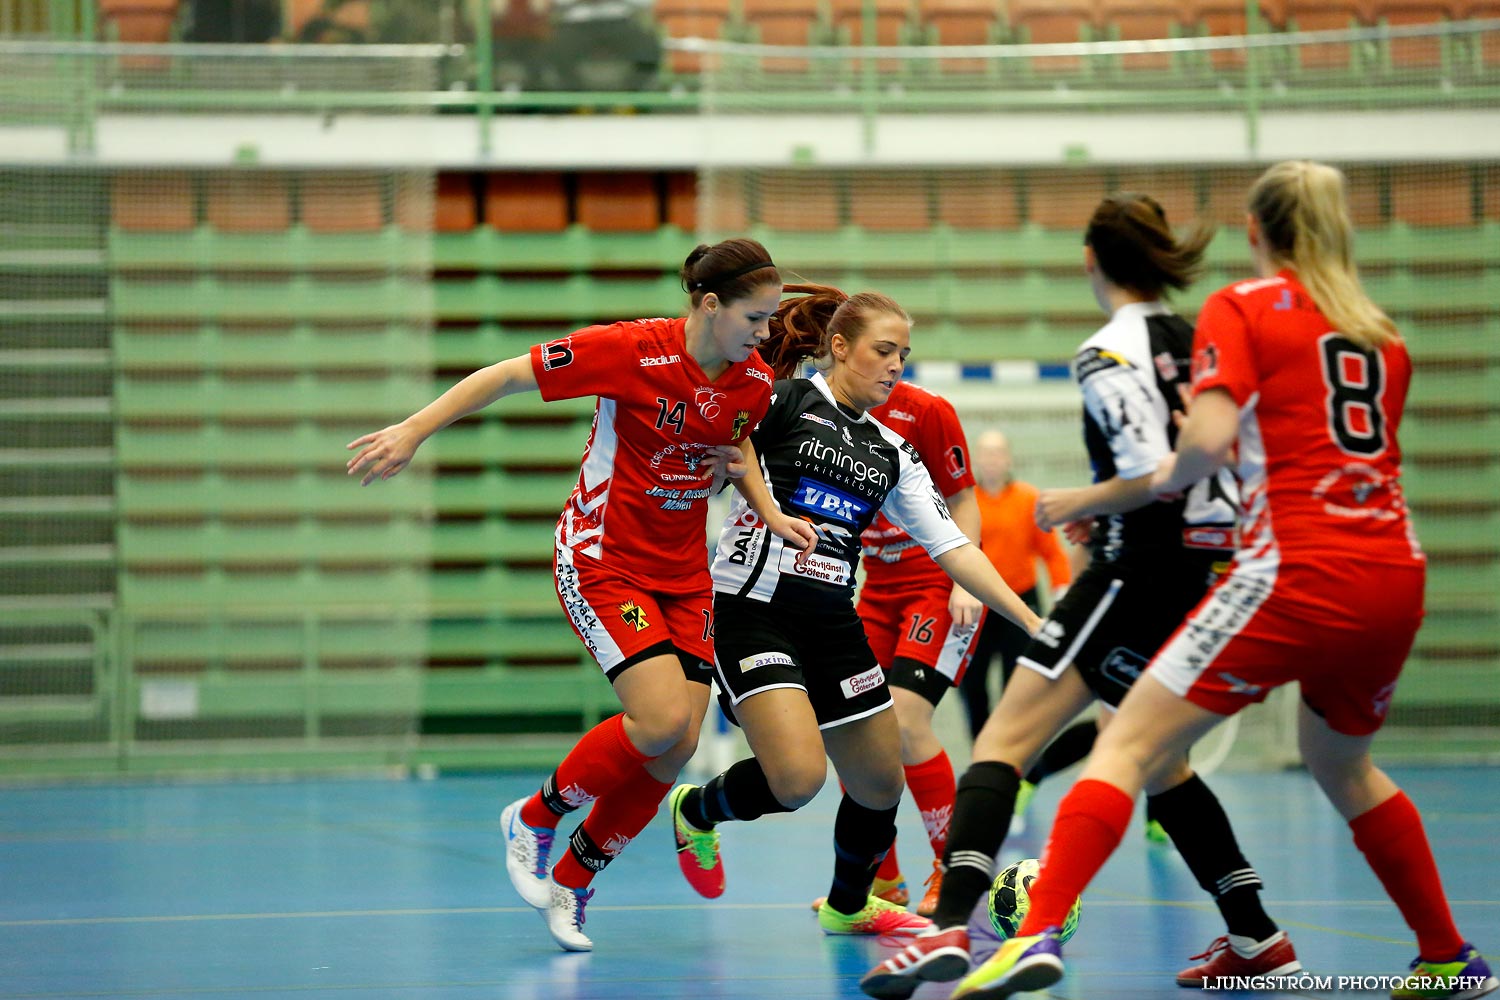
point(600, 761)
point(614, 822)
point(890, 868)
point(1090, 821)
point(932, 786)
point(1393, 842)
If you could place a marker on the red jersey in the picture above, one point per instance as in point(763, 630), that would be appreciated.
point(930, 424)
point(639, 504)
point(1319, 462)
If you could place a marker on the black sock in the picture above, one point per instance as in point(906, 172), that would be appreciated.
point(588, 854)
point(1071, 745)
point(861, 838)
point(741, 793)
point(1194, 819)
point(981, 817)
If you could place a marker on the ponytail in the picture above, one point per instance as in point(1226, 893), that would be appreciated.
point(1304, 218)
point(1136, 249)
point(804, 327)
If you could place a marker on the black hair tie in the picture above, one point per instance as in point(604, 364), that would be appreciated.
point(715, 279)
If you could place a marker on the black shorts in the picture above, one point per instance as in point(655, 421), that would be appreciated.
point(1116, 616)
point(760, 647)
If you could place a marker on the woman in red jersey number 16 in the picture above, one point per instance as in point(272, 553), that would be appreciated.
point(677, 399)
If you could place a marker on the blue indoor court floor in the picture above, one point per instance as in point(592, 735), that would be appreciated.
point(355, 889)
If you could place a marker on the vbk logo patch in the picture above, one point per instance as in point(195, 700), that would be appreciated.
point(633, 616)
point(828, 502)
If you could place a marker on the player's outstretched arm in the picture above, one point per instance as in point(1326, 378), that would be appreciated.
point(1057, 507)
point(971, 569)
point(384, 453)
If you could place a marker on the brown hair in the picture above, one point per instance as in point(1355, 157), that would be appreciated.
point(1136, 249)
point(803, 327)
point(731, 270)
point(1304, 219)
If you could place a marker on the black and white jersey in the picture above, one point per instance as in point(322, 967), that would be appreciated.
point(1133, 373)
point(835, 471)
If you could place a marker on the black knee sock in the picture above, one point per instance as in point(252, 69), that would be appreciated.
point(1071, 745)
point(741, 793)
point(1194, 819)
point(981, 816)
point(861, 838)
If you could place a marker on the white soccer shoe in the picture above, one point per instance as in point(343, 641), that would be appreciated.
point(526, 851)
point(564, 917)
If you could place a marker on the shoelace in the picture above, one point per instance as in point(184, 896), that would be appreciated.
point(543, 851)
point(582, 901)
point(1218, 945)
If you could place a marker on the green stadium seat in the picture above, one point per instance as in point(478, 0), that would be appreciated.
point(390, 347)
point(299, 298)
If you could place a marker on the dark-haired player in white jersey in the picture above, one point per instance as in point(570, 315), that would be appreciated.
point(676, 400)
point(792, 655)
point(1151, 561)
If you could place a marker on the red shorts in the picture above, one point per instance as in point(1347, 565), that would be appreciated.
point(915, 625)
point(1343, 632)
point(619, 619)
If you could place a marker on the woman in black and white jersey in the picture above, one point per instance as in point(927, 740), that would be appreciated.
point(791, 652)
point(1150, 563)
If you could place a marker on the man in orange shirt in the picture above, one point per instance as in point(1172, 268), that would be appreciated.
point(1009, 535)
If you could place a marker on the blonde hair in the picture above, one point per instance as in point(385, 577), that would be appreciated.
point(1304, 219)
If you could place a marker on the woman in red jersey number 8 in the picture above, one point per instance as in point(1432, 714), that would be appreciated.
point(677, 399)
point(1300, 380)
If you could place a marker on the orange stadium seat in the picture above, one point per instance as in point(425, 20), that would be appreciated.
point(1414, 53)
point(1432, 196)
point(682, 201)
point(342, 203)
point(526, 202)
point(979, 200)
point(799, 202)
point(1176, 191)
point(1222, 19)
point(351, 17)
point(618, 202)
point(1365, 208)
point(1049, 21)
point(1489, 52)
point(248, 201)
point(723, 207)
point(1134, 20)
point(1228, 195)
point(153, 202)
point(690, 19)
point(961, 22)
point(887, 203)
point(1064, 199)
point(454, 209)
point(138, 20)
point(1489, 190)
point(1325, 15)
point(890, 16)
point(783, 22)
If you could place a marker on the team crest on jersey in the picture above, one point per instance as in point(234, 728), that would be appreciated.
point(958, 462)
point(740, 420)
point(847, 439)
point(1206, 362)
point(1166, 366)
point(633, 616)
point(707, 399)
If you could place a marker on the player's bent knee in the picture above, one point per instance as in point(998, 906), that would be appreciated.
point(795, 787)
point(661, 729)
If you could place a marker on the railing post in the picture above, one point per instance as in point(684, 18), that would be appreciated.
point(484, 52)
point(1252, 81)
